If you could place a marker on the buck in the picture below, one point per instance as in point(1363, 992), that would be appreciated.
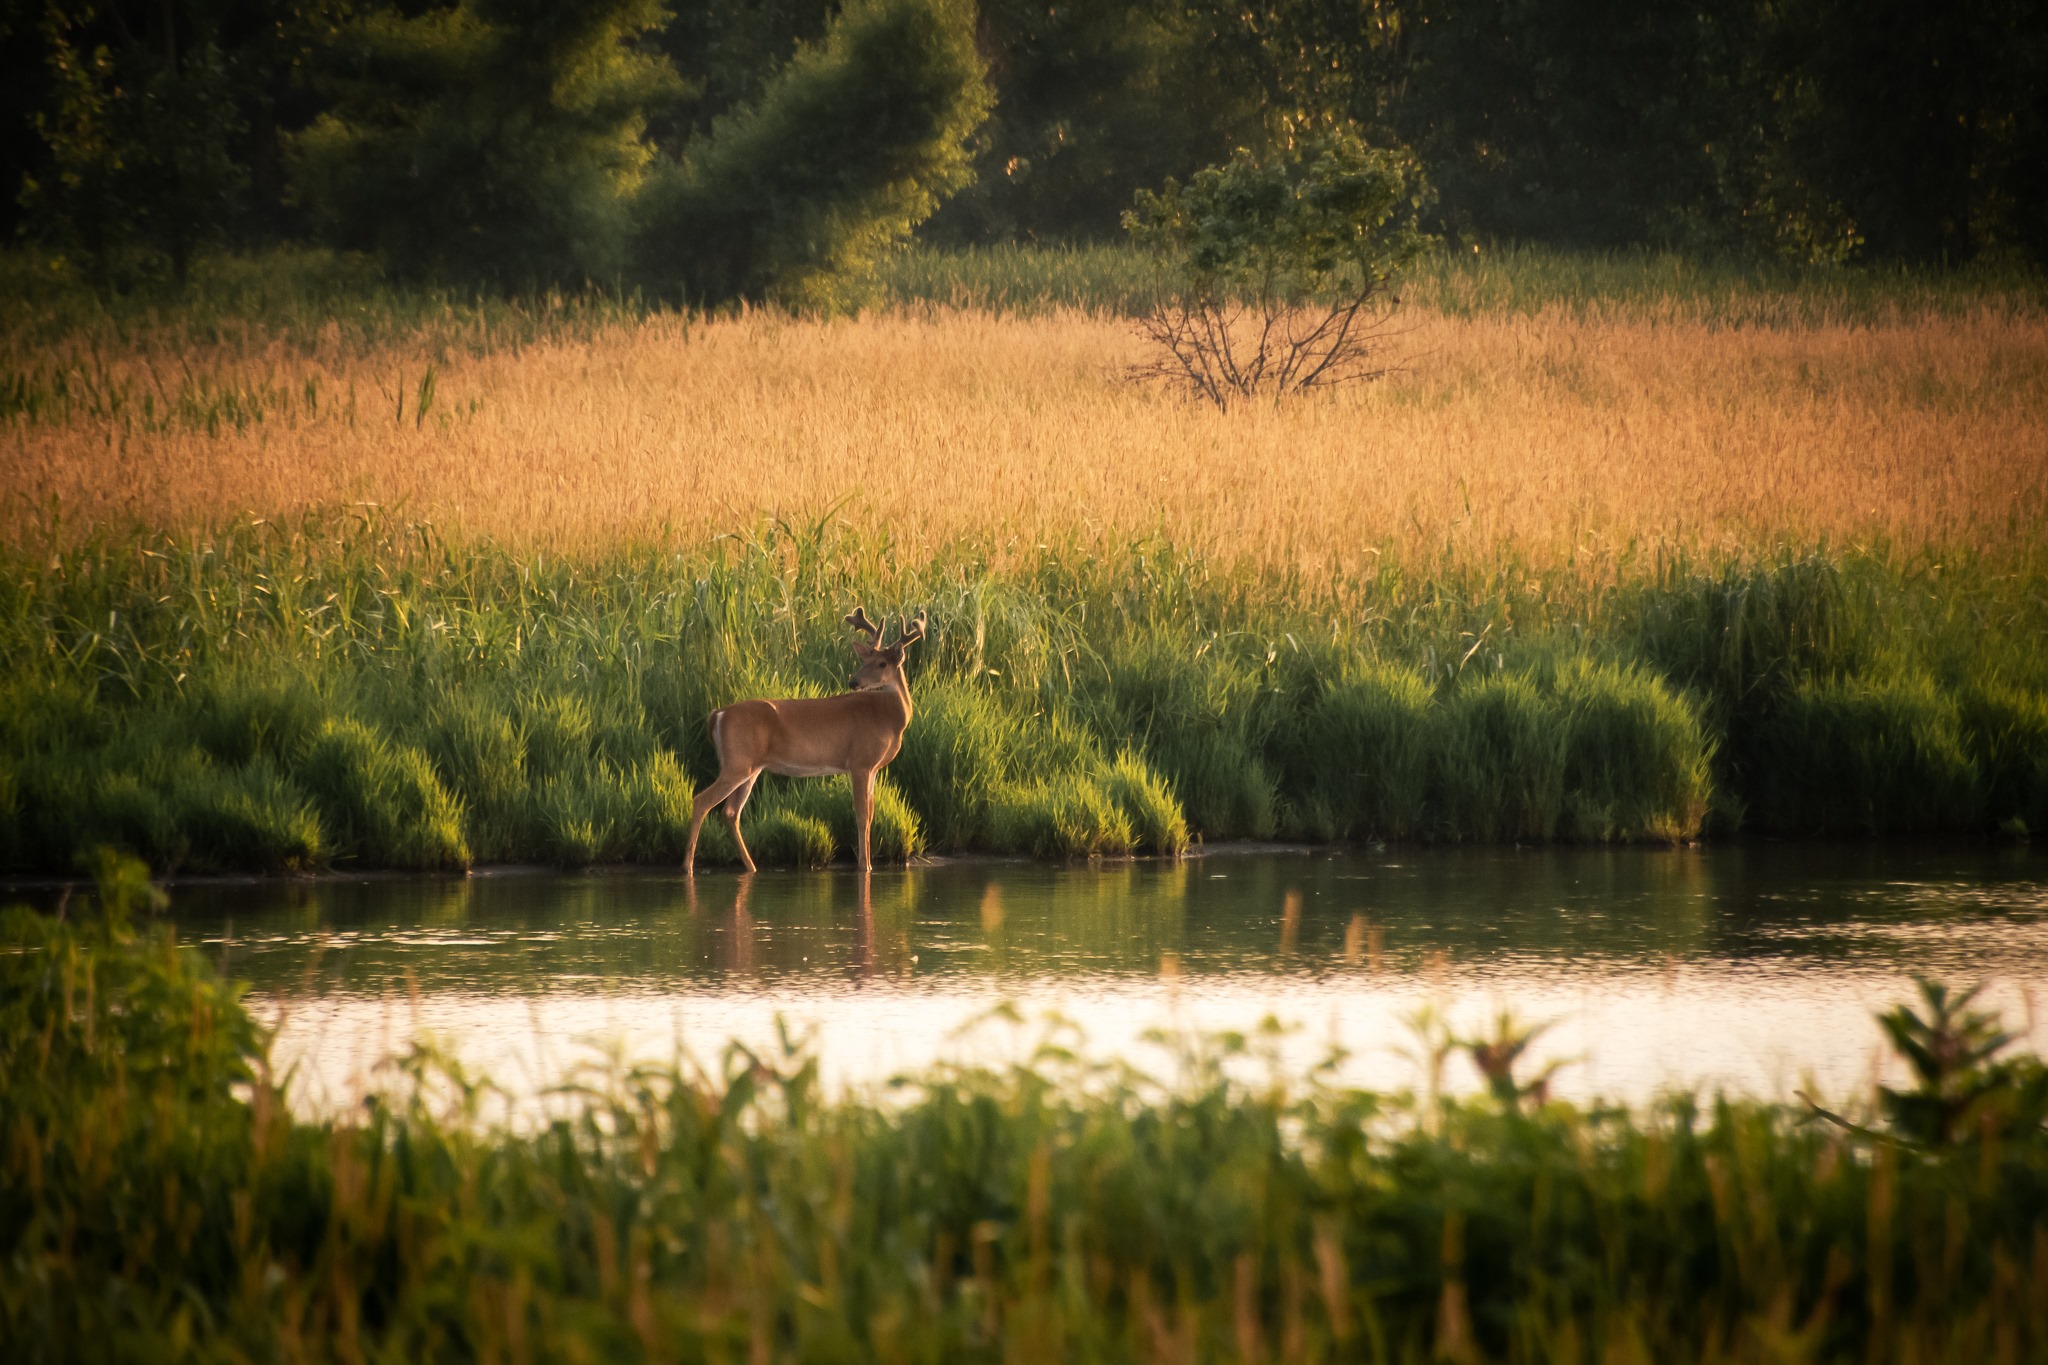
point(855, 733)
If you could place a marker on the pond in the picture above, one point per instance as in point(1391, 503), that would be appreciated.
point(1753, 968)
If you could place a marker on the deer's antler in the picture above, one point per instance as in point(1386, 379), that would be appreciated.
point(858, 619)
point(913, 631)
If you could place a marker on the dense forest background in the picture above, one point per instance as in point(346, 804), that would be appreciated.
point(736, 147)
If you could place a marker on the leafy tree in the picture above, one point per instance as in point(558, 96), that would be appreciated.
point(140, 166)
point(1093, 102)
point(497, 140)
point(1928, 123)
point(1280, 266)
point(1801, 128)
point(847, 149)
point(726, 52)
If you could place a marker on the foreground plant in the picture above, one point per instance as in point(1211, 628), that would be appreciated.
point(159, 1202)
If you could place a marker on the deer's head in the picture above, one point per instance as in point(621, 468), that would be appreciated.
point(881, 666)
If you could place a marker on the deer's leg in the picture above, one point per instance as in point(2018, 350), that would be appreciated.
point(863, 813)
point(701, 807)
point(734, 804)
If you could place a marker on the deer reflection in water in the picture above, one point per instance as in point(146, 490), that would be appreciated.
point(882, 952)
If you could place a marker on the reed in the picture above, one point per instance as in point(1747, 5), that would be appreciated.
point(1648, 410)
point(354, 690)
point(160, 1200)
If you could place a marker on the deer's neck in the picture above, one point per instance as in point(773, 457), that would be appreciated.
point(902, 690)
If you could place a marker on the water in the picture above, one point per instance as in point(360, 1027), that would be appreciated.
point(1752, 968)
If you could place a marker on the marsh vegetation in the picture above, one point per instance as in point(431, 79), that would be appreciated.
point(1659, 563)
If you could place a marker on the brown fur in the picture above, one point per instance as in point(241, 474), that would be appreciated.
point(855, 733)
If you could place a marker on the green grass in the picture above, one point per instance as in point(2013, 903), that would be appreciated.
point(297, 296)
point(1496, 281)
point(305, 299)
point(351, 691)
point(160, 1201)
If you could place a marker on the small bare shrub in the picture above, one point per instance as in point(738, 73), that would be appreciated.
point(1280, 268)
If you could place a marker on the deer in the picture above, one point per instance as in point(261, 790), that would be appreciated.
point(856, 733)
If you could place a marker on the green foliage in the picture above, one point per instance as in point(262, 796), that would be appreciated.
point(1500, 281)
point(158, 1199)
point(251, 816)
point(246, 715)
point(1500, 771)
point(1805, 131)
point(1960, 1091)
point(492, 140)
point(1868, 756)
point(140, 169)
point(999, 780)
point(854, 143)
point(952, 773)
point(1093, 101)
point(661, 796)
point(531, 124)
point(383, 800)
point(1636, 761)
point(102, 1023)
point(478, 751)
point(1279, 268)
point(726, 54)
point(1331, 219)
point(1066, 815)
point(480, 704)
point(2007, 728)
point(1195, 709)
point(792, 839)
point(807, 822)
point(1365, 753)
point(1810, 132)
point(1496, 1057)
point(1145, 799)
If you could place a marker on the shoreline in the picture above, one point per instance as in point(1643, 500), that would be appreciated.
point(1229, 848)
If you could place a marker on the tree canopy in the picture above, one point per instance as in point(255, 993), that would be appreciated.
point(771, 146)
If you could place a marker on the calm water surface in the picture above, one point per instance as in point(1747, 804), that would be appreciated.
point(1753, 968)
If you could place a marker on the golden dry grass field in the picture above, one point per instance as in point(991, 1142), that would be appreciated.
point(1553, 434)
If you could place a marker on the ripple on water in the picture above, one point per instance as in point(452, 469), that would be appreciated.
point(1756, 969)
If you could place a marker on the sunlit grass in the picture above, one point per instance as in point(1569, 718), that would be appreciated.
point(1527, 417)
point(1629, 547)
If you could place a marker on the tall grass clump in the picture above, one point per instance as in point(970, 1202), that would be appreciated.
point(1366, 745)
point(250, 816)
point(479, 750)
point(809, 822)
point(1003, 779)
point(1061, 815)
point(1868, 756)
point(2007, 728)
point(1500, 767)
point(1196, 709)
point(160, 1199)
point(1636, 760)
point(384, 799)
